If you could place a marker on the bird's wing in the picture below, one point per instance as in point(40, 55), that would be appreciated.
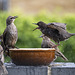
point(50, 43)
point(4, 36)
point(57, 51)
point(55, 25)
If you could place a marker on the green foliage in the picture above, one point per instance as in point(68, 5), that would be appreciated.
point(27, 38)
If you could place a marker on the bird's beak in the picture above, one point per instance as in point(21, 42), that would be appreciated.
point(34, 23)
point(36, 28)
point(15, 17)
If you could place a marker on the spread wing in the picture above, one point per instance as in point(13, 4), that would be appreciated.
point(57, 25)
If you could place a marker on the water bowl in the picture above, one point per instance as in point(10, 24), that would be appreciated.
point(32, 56)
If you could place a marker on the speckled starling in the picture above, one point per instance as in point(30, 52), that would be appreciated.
point(47, 43)
point(55, 31)
point(10, 34)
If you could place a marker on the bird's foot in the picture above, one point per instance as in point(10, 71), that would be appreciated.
point(15, 47)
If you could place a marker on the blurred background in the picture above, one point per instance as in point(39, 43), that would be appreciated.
point(32, 11)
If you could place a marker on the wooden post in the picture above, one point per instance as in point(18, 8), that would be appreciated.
point(27, 70)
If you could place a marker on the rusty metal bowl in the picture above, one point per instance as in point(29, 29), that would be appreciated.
point(32, 56)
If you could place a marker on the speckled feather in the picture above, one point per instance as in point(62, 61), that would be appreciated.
point(47, 43)
point(54, 31)
point(10, 35)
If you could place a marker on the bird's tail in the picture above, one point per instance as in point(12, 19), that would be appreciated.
point(58, 53)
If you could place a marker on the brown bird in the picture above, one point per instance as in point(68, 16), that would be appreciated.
point(10, 35)
point(3, 70)
point(55, 31)
point(47, 43)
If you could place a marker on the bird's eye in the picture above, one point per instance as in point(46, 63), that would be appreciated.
point(11, 18)
point(39, 23)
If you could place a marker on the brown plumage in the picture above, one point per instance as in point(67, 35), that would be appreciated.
point(47, 43)
point(55, 31)
point(61, 25)
point(10, 35)
point(3, 70)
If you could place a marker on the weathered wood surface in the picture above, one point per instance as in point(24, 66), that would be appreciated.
point(53, 69)
point(63, 69)
point(27, 70)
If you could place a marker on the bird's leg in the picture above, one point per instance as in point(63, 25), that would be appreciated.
point(6, 50)
point(15, 47)
point(56, 45)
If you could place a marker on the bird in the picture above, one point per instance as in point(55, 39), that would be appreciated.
point(10, 34)
point(55, 31)
point(47, 43)
point(3, 70)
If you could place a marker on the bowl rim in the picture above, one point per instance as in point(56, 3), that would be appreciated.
point(33, 49)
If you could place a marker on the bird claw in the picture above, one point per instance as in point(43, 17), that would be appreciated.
point(15, 47)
